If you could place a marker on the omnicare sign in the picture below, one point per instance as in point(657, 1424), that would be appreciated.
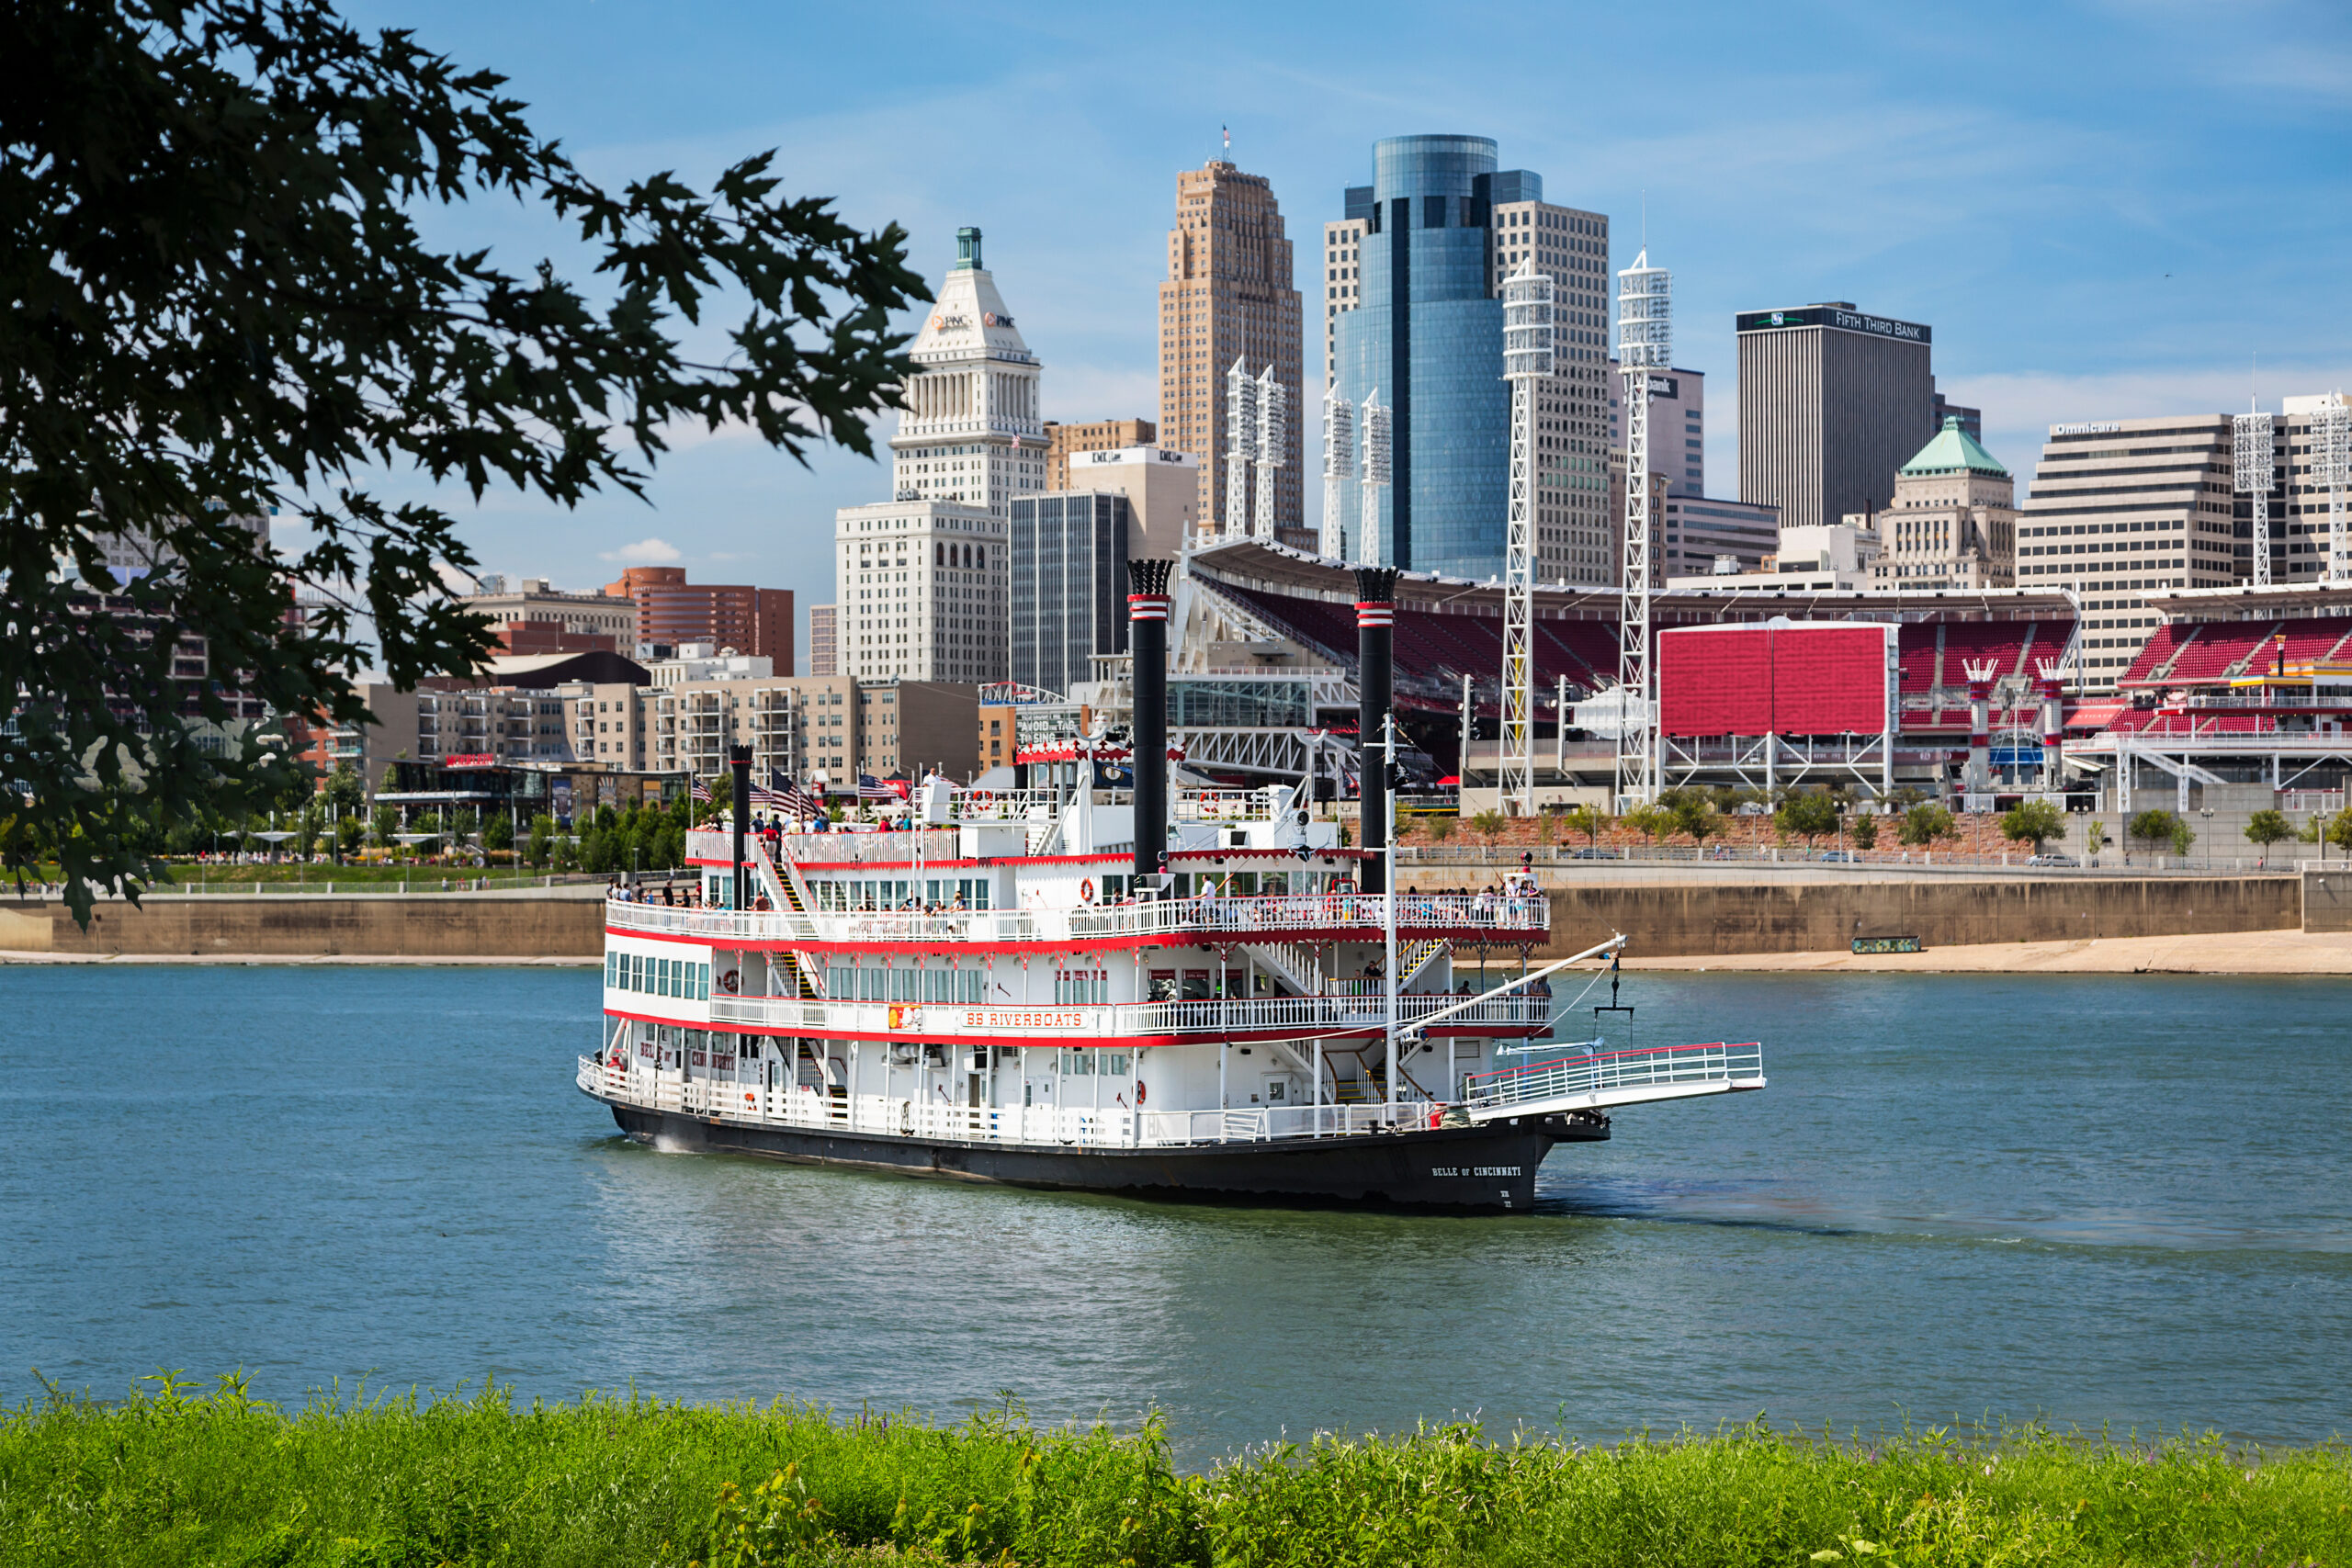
point(1832, 316)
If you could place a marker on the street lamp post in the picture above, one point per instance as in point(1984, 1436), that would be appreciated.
point(2207, 812)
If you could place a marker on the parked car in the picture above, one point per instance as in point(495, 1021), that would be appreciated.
point(2052, 859)
point(1845, 857)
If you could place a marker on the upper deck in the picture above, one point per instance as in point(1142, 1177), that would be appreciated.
point(1152, 922)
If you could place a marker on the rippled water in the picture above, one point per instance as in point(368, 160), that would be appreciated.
point(2089, 1199)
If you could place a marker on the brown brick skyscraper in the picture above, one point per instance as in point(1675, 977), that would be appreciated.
point(1228, 297)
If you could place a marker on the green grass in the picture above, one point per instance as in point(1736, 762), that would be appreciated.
point(168, 1477)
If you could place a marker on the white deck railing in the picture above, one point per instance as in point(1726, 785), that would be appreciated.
point(1271, 917)
point(1304, 1015)
point(1617, 1075)
point(799, 1105)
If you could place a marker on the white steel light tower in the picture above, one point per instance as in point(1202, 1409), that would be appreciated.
point(1527, 359)
point(2255, 460)
point(1338, 467)
point(1374, 430)
point(1241, 445)
point(1645, 343)
point(1274, 434)
point(2332, 468)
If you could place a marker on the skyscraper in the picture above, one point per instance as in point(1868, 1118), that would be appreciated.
point(1069, 588)
point(971, 432)
point(1229, 297)
point(1832, 403)
point(1413, 275)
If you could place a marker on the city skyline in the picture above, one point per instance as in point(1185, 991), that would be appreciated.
point(2114, 248)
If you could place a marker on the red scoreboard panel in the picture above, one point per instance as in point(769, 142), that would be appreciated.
point(1776, 677)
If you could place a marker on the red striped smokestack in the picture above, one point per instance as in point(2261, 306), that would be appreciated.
point(1148, 646)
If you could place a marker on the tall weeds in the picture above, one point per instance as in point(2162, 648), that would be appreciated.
point(169, 1477)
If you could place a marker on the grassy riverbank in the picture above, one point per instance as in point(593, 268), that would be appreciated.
point(168, 1477)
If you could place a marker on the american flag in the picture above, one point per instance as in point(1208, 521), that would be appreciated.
point(702, 792)
point(871, 788)
point(789, 796)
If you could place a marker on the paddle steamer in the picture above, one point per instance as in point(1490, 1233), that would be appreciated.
point(1019, 988)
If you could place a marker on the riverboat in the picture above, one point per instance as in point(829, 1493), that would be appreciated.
point(1008, 988)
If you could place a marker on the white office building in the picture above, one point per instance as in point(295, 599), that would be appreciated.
point(971, 433)
point(921, 591)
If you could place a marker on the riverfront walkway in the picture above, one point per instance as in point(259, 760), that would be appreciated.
point(2226, 953)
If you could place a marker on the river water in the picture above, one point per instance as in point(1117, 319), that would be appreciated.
point(2091, 1200)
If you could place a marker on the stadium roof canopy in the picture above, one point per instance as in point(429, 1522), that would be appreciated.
point(2244, 601)
point(1277, 569)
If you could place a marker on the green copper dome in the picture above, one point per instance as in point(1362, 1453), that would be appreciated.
point(1952, 451)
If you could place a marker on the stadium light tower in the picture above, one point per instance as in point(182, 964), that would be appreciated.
point(1274, 433)
point(2255, 460)
point(1527, 359)
point(1338, 467)
point(1645, 343)
point(1373, 432)
point(1241, 445)
point(2332, 468)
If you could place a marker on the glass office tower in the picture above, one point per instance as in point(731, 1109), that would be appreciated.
point(1069, 585)
point(1429, 335)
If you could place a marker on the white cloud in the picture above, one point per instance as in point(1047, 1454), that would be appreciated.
point(645, 552)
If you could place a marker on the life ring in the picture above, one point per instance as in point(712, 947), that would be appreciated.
point(728, 982)
point(1140, 1091)
point(1086, 890)
point(747, 1098)
point(981, 800)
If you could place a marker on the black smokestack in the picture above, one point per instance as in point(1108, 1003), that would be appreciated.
point(1375, 669)
point(1147, 646)
point(739, 762)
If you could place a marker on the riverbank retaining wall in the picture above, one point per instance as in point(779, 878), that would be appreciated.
point(471, 925)
point(1677, 918)
point(2327, 900)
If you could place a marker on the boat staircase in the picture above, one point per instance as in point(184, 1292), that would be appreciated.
point(787, 891)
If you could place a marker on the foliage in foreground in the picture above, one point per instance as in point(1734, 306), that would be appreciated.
point(168, 1478)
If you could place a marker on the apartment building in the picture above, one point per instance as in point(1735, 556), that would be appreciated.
point(911, 727)
point(1063, 441)
point(1229, 297)
point(922, 587)
point(673, 613)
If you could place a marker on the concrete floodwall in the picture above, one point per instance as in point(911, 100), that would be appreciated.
point(471, 925)
point(1678, 917)
point(2327, 900)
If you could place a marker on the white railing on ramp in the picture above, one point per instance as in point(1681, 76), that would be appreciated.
point(1589, 1081)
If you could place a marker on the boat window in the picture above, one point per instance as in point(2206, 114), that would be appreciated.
point(1196, 985)
point(1115, 1063)
point(972, 985)
point(870, 983)
point(840, 982)
point(903, 983)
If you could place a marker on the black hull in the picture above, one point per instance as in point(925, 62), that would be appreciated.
point(1489, 1168)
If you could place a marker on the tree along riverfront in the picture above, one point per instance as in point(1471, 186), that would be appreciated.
point(173, 1476)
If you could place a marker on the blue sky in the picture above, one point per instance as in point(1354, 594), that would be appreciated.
point(2104, 210)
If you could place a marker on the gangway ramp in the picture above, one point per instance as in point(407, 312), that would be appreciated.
point(1596, 1080)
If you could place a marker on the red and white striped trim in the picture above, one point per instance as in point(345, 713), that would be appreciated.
point(1376, 613)
point(1147, 606)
